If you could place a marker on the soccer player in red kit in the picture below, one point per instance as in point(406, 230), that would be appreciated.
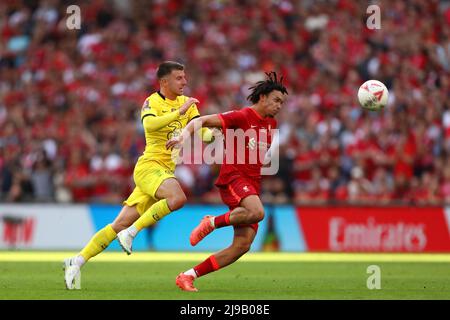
point(239, 179)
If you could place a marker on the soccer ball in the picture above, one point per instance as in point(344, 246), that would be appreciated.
point(373, 95)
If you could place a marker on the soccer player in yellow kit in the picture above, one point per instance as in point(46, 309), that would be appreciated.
point(157, 193)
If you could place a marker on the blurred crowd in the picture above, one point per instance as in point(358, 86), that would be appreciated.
point(70, 99)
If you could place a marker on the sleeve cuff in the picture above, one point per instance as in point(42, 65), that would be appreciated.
point(223, 122)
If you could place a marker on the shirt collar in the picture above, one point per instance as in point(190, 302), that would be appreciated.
point(161, 95)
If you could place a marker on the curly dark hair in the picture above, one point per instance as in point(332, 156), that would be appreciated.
point(264, 87)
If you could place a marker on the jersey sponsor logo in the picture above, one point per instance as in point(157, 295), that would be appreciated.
point(245, 188)
point(234, 146)
point(263, 144)
point(175, 127)
point(252, 143)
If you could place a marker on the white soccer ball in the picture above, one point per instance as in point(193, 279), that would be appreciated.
point(373, 95)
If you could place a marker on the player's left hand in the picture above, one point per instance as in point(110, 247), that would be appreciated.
point(184, 108)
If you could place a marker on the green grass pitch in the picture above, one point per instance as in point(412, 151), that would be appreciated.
point(39, 275)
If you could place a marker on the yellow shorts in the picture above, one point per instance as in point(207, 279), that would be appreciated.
point(148, 176)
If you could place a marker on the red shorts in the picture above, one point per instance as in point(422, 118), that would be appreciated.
point(234, 192)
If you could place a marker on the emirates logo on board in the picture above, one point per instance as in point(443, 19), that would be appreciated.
point(373, 236)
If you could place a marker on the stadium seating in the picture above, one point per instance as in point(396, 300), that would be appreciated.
point(70, 99)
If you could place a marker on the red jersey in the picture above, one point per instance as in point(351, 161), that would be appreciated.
point(239, 159)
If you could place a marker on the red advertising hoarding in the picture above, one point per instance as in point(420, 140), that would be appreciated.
point(369, 229)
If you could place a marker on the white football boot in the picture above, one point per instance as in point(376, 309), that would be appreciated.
point(125, 240)
point(72, 275)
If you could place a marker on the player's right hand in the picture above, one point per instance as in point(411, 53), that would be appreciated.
point(189, 102)
point(174, 142)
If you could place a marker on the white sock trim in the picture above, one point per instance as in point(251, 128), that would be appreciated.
point(78, 260)
point(191, 272)
point(132, 231)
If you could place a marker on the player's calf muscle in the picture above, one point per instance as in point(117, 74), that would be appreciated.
point(242, 248)
point(126, 217)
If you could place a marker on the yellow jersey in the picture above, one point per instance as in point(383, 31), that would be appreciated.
point(157, 105)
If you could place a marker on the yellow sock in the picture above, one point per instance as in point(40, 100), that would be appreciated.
point(98, 243)
point(152, 215)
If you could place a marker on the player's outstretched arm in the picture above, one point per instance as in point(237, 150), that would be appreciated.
point(212, 121)
point(152, 124)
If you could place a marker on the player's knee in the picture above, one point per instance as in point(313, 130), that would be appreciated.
point(177, 201)
point(256, 215)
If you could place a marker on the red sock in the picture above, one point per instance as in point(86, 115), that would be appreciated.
point(207, 266)
point(222, 221)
